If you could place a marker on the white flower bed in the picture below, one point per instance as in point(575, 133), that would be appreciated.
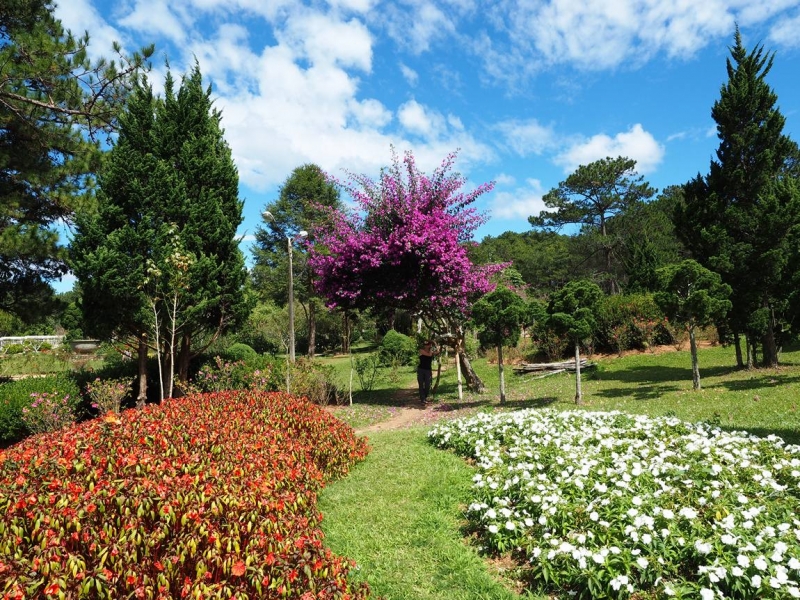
point(607, 505)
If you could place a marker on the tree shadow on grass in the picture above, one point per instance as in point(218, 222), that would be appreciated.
point(644, 391)
point(657, 373)
point(790, 436)
point(754, 383)
point(452, 405)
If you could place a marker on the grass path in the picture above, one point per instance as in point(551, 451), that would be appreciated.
point(398, 515)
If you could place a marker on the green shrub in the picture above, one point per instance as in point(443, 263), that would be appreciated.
point(367, 369)
point(12, 349)
point(240, 351)
point(629, 321)
point(16, 395)
point(397, 348)
point(313, 381)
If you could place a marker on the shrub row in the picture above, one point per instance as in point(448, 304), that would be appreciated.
point(212, 495)
point(16, 395)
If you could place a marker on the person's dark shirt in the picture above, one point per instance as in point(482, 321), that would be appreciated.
point(425, 362)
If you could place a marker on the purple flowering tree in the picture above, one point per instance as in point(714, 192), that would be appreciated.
point(406, 246)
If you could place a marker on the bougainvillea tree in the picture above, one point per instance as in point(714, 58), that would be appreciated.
point(406, 246)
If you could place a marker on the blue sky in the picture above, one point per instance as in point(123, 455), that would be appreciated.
point(526, 90)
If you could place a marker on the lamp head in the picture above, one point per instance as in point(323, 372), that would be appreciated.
point(302, 233)
point(268, 215)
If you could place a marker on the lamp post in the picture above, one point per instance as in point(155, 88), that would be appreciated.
point(289, 244)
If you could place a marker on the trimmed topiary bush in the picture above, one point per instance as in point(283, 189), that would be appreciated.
point(397, 348)
point(239, 351)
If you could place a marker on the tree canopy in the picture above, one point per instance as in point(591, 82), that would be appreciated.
point(738, 219)
point(167, 202)
point(589, 197)
point(53, 103)
point(406, 248)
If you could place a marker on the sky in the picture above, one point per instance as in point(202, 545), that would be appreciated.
point(526, 91)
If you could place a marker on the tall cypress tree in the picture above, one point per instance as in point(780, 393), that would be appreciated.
point(736, 220)
point(168, 190)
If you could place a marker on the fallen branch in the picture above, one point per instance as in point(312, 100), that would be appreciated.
point(567, 365)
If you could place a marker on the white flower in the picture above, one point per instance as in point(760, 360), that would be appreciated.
point(668, 514)
point(743, 561)
point(642, 562)
point(737, 571)
point(493, 529)
point(760, 563)
point(794, 564)
point(594, 516)
point(755, 581)
point(702, 547)
point(706, 594)
point(491, 514)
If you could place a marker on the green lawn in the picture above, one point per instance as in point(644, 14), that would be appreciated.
point(399, 513)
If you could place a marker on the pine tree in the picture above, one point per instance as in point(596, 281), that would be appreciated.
point(737, 219)
point(53, 103)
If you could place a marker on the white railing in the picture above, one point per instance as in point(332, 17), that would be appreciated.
point(34, 342)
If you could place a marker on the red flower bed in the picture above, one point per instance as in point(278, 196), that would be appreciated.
point(207, 496)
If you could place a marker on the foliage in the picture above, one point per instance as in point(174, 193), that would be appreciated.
point(591, 196)
point(239, 351)
point(627, 505)
point(572, 310)
point(107, 394)
point(211, 495)
point(546, 260)
point(634, 319)
point(499, 316)
point(397, 348)
point(162, 248)
point(53, 102)
point(48, 411)
point(16, 395)
point(406, 248)
point(694, 297)
point(367, 370)
point(314, 381)
point(739, 219)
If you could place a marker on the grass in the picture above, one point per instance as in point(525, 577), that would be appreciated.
point(399, 513)
point(41, 363)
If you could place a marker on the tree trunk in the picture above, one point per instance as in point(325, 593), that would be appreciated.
point(737, 344)
point(141, 399)
point(474, 382)
point(184, 358)
point(695, 366)
point(578, 392)
point(312, 329)
point(769, 344)
point(502, 375)
point(749, 351)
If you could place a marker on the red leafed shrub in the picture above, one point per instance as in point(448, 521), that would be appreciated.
point(209, 496)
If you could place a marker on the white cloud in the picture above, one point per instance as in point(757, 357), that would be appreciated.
point(157, 17)
point(635, 143)
point(323, 39)
point(519, 203)
point(419, 120)
point(80, 16)
point(409, 74)
point(527, 136)
point(787, 32)
point(527, 37)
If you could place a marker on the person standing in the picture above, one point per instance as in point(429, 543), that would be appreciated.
point(425, 370)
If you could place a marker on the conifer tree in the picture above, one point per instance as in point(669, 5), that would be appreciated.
point(53, 104)
point(168, 183)
point(737, 219)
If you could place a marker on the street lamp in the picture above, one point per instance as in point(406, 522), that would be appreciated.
point(290, 241)
point(289, 244)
